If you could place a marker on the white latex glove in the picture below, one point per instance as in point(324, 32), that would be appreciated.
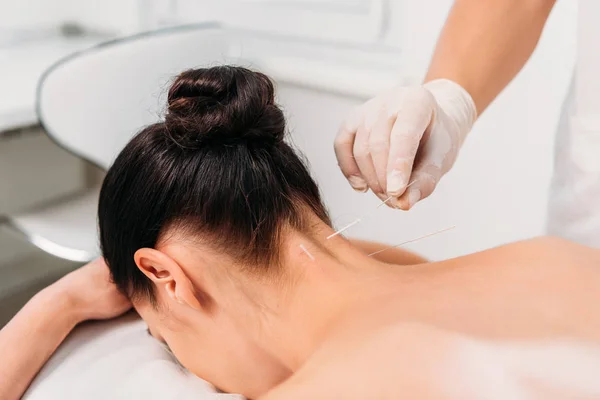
point(406, 135)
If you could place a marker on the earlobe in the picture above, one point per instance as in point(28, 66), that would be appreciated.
point(166, 273)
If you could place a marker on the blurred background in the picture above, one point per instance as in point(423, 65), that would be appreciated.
point(326, 56)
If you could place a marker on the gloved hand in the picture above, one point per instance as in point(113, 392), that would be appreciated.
point(406, 135)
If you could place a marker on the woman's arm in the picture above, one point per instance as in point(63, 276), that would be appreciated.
point(391, 256)
point(30, 338)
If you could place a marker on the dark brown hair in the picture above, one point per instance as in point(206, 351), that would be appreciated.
point(217, 168)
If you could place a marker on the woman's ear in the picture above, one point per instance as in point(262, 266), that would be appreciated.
point(167, 275)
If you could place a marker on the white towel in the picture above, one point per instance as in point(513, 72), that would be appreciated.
point(116, 360)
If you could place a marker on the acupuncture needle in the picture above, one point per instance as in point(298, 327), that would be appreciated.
point(356, 221)
point(413, 240)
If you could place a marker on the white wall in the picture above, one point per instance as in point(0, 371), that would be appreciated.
point(119, 16)
point(111, 16)
point(20, 13)
point(342, 21)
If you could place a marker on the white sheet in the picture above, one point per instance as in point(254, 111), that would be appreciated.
point(117, 360)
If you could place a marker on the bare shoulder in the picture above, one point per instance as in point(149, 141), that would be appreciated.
point(554, 243)
point(401, 359)
point(547, 251)
point(390, 255)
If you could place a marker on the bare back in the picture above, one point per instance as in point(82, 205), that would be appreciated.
point(507, 322)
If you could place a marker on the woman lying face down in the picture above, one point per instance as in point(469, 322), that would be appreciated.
point(212, 225)
point(198, 216)
point(201, 219)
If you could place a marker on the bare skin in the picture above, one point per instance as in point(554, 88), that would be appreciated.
point(545, 288)
point(326, 328)
point(30, 338)
point(484, 44)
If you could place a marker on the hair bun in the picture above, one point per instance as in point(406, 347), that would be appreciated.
point(223, 105)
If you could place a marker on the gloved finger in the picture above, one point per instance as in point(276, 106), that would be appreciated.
point(344, 151)
point(379, 143)
point(424, 180)
point(362, 156)
point(412, 119)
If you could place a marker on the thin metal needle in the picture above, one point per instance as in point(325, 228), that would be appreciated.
point(385, 201)
point(356, 221)
point(413, 240)
point(391, 197)
point(305, 250)
point(344, 228)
